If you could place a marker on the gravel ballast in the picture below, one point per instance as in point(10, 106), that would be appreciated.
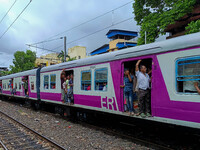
point(65, 133)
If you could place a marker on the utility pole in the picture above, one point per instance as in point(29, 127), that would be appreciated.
point(65, 45)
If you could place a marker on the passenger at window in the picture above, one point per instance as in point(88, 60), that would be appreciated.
point(128, 91)
point(89, 88)
point(144, 91)
point(104, 86)
point(196, 85)
point(62, 76)
point(71, 84)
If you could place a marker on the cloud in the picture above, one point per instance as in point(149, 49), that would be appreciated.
point(44, 18)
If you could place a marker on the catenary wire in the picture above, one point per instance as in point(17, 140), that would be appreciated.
point(15, 20)
point(86, 21)
point(8, 10)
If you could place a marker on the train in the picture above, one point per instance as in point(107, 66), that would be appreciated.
point(175, 65)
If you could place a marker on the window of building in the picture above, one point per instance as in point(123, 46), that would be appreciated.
point(53, 81)
point(86, 80)
point(32, 85)
point(187, 73)
point(46, 82)
point(101, 79)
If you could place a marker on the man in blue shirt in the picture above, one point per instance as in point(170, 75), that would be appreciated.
point(128, 91)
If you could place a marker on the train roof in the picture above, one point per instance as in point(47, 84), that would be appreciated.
point(20, 74)
point(181, 42)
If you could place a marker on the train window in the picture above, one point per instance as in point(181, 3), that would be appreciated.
point(53, 81)
point(20, 85)
point(32, 85)
point(86, 80)
point(46, 82)
point(187, 73)
point(101, 79)
point(15, 85)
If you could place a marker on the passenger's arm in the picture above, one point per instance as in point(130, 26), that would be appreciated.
point(137, 65)
point(149, 72)
point(129, 77)
point(197, 87)
point(134, 83)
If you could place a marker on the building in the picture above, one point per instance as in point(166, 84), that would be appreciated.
point(3, 69)
point(119, 39)
point(47, 60)
point(77, 52)
point(178, 28)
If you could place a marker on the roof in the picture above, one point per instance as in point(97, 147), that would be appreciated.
point(115, 32)
point(100, 50)
point(121, 45)
point(185, 41)
point(20, 74)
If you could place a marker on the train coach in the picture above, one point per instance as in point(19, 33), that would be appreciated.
point(175, 65)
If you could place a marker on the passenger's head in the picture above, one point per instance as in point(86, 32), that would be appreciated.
point(63, 76)
point(71, 76)
point(67, 77)
point(143, 69)
point(126, 72)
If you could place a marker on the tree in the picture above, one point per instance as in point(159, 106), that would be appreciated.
point(23, 61)
point(155, 15)
point(61, 55)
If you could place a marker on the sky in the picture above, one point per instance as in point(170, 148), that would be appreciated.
point(43, 19)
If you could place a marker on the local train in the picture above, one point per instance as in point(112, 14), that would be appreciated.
point(175, 65)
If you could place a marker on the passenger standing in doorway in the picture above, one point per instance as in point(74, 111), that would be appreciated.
point(62, 76)
point(128, 91)
point(144, 91)
point(71, 84)
point(25, 86)
point(67, 89)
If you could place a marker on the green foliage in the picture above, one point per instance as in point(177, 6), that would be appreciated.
point(61, 55)
point(4, 73)
point(155, 15)
point(193, 27)
point(23, 61)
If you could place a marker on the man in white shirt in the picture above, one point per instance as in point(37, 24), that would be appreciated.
point(143, 90)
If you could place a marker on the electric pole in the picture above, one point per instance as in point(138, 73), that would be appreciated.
point(65, 51)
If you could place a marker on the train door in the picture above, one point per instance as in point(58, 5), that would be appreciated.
point(25, 83)
point(67, 87)
point(129, 67)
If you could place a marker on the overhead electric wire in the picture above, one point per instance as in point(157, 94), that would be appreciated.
point(42, 48)
point(82, 36)
point(97, 31)
point(46, 41)
point(87, 21)
point(8, 10)
point(15, 19)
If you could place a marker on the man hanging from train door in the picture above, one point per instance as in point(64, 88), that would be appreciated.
point(143, 80)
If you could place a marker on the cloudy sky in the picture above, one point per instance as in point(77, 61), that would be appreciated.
point(44, 19)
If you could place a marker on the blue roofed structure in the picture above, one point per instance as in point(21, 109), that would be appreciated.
point(100, 50)
point(119, 34)
point(119, 39)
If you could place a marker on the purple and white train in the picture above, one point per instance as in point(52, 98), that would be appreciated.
point(175, 67)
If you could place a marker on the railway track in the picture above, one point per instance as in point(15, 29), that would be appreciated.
point(15, 135)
